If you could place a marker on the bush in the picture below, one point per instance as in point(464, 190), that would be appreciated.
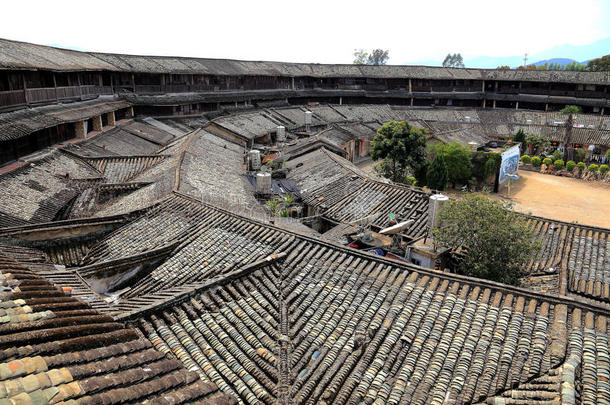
point(558, 164)
point(547, 161)
point(536, 161)
point(557, 155)
point(410, 181)
point(603, 169)
point(497, 243)
point(593, 167)
point(580, 154)
point(526, 159)
point(570, 165)
point(581, 166)
point(608, 153)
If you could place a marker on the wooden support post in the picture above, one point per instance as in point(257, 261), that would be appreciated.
point(410, 91)
point(55, 86)
point(411, 101)
point(79, 130)
point(25, 90)
point(483, 86)
point(516, 105)
point(131, 113)
point(80, 89)
point(110, 117)
point(133, 82)
point(97, 123)
point(494, 104)
point(484, 102)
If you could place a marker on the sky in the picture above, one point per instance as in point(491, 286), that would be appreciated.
point(309, 31)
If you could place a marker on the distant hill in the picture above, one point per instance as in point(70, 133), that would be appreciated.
point(559, 61)
point(558, 54)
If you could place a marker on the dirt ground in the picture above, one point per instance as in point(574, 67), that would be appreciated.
point(554, 197)
point(561, 198)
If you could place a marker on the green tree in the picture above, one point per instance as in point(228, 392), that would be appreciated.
point(569, 110)
point(437, 173)
point(496, 243)
point(457, 157)
point(520, 138)
point(454, 60)
point(599, 64)
point(376, 57)
point(403, 145)
point(536, 142)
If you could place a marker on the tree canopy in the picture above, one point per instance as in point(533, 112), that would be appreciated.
point(520, 138)
point(458, 160)
point(536, 142)
point(495, 241)
point(375, 57)
point(403, 145)
point(599, 64)
point(438, 174)
point(453, 60)
point(570, 110)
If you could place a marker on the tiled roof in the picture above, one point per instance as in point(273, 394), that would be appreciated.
point(21, 55)
point(326, 324)
point(23, 122)
point(55, 348)
point(341, 192)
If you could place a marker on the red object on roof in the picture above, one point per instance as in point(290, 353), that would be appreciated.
point(270, 157)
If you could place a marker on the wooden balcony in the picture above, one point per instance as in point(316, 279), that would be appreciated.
point(49, 94)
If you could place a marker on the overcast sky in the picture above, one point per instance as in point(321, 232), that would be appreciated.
point(324, 31)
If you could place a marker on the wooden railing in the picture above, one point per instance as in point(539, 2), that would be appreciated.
point(49, 94)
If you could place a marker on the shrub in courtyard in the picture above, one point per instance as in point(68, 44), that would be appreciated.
point(536, 161)
point(557, 155)
point(570, 165)
point(526, 159)
point(547, 161)
point(603, 169)
point(558, 164)
point(593, 167)
point(581, 166)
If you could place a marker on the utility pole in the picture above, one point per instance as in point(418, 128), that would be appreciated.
point(525, 60)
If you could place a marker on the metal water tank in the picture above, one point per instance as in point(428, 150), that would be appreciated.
point(254, 156)
point(308, 117)
point(263, 183)
point(434, 206)
point(280, 134)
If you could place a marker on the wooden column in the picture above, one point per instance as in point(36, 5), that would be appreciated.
point(55, 86)
point(97, 123)
point(80, 89)
point(79, 130)
point(133, 82)
point(410, 91)
point(111, 118)
point(25, 89)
